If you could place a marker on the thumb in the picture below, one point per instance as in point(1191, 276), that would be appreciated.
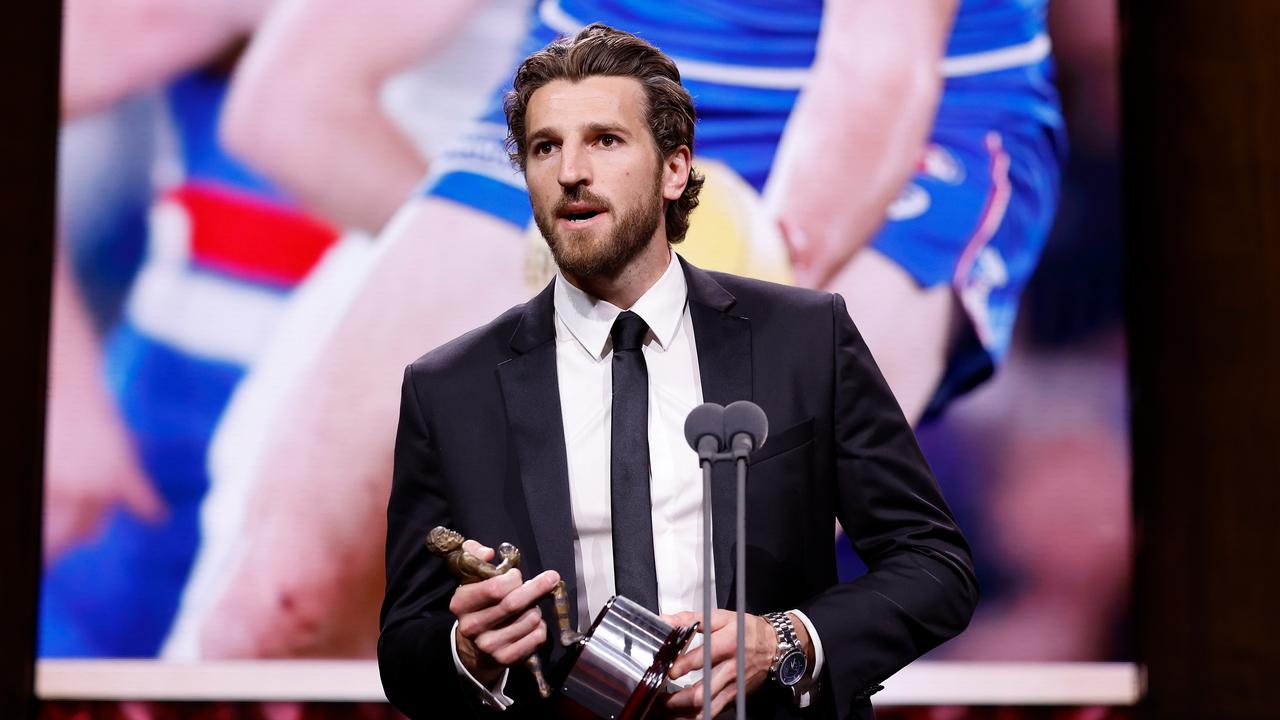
point(483, 552)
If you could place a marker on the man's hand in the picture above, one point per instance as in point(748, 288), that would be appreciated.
point(761, 646)
point(499, 623)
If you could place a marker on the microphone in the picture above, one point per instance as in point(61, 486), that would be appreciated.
point(746, 427)
point(704, 429)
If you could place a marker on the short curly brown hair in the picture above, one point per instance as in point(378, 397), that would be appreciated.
point(599, 50)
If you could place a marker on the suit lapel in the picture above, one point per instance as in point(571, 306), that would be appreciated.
point(724, 364)
point(531, 392)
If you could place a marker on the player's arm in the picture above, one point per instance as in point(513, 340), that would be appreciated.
point(113, 48)
point(858, 128)
point(304, 105)
point(920, 588)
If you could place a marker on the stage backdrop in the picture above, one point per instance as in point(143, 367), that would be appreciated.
point(241, 189)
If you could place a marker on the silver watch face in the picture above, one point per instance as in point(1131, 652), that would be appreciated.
point(792, 667)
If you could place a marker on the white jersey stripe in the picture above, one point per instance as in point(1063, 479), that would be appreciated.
point(1028, 53)
point(202, 314)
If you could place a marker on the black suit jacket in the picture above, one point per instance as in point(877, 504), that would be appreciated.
point(480, 448)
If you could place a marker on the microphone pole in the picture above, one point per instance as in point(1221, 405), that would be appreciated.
point(746, 428)
point(704, 429)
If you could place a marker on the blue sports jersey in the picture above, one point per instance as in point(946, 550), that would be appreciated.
point(770, 44)
point(782, 33)
point(974, 216)
point(745, 62)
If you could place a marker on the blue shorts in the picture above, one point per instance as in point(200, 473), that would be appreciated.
point(975, 215)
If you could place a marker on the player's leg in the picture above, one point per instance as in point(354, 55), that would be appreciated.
point(308, 578)
point(316, 417)
point(936, 292)
point(910, 329)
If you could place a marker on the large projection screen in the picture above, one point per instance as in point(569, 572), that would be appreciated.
point(234, 183)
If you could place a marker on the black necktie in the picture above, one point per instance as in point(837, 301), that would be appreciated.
point(633, 564)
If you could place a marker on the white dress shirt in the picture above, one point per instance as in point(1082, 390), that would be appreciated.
point(584, 369)
point(584, 366)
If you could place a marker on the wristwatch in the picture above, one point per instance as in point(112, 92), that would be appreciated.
point(789, 663)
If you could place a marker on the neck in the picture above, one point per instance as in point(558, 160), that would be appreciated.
point(625, 288)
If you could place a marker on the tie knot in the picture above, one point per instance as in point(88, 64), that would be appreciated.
point(628, 331)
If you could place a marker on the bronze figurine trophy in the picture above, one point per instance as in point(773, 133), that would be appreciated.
point(618, 667)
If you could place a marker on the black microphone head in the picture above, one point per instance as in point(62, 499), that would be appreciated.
point(746, 417)
point(706, 420)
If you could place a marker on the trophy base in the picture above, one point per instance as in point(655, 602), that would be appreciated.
point(655, 677)
point(622, 663)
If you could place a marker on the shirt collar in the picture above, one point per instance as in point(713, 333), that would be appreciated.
point(590, 319)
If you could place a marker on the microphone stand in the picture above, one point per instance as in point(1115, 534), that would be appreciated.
point(706, 430)
point(741, 591)
point(706, 585)
point(745, 429)
point(741, 581)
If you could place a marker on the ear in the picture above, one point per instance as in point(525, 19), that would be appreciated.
point(675, 172)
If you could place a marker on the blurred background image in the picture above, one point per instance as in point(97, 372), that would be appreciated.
point(268, 207)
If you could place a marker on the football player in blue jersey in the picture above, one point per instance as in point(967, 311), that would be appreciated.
point(904, 154)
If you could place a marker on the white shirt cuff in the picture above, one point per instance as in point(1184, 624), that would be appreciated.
point(495, 697)
point(806, 687)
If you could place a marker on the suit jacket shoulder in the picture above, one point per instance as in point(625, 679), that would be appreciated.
point(764, 301)
point(489, 342)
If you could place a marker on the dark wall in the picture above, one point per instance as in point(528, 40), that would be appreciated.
point(1202, 136)
point(28, 137)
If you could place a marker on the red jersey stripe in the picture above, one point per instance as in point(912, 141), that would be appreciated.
point(251, 238)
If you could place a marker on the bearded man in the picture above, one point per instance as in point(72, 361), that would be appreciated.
point(558, 427)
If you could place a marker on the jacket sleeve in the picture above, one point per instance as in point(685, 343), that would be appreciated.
point(414, 656)
point(920, 588)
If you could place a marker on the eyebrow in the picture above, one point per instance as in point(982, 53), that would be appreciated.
point(602, 128)
point(595, 128)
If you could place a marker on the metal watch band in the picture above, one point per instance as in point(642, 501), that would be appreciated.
point(787, 639)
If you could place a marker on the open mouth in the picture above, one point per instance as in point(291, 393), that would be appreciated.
point(581, 216)
point(579, 213)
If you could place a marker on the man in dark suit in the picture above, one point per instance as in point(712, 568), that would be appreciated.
point(514, 431)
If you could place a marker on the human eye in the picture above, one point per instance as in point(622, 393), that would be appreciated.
point(543, 148)
point(608, 141)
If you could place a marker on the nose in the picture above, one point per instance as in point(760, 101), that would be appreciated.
point(575, 167)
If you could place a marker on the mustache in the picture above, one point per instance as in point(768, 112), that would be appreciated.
point(579, 193)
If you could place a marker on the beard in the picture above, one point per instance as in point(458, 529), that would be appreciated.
point(590, 252)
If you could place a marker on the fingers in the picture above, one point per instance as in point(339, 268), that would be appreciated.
point(685, 702)
point(513, 642)
point(723, 699)
point(499, 623)
point(485, 605)
point(468, 599)
point(483, 552)
point(719, 618)
point(680, 618)
point(723, 618)
point(724, 646)
point(723, 690)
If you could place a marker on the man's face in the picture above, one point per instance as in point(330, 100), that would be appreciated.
point(593, 173)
